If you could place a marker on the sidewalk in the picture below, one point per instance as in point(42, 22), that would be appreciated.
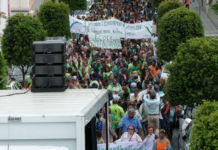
point(209, 29)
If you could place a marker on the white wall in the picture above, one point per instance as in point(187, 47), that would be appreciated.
point(3, 8)
point(20, 3)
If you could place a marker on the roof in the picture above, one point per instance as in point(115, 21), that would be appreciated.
point(72, 102)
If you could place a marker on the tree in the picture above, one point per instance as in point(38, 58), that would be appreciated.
point(215, 7)
point(204, 132)
point(177, 26)
point(193, 73)
point(55, 18)
point(20, 32)
point(165, 7)
point(2, 71)
point(76, 4)
point(155, 3)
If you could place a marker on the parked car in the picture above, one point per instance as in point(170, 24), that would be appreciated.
point(185, 126)
point(17, 74)
point(165, 72)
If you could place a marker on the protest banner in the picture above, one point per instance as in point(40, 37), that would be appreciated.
point(113, 26)
point(105, 40)
point(146, 145)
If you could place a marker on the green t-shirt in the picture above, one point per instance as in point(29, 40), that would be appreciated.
point(67, 75)
point(130, 66)
point(133, 68)
point(28, 80)
point(18, 84)
point(118, 113)
point(106, 74)
point(113, 118)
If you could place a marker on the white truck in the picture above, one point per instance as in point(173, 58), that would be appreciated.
point(59, 119)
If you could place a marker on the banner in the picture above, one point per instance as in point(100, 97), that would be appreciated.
point(112, 26)
point(105, 40)
point(76, 26)
point(146, 145)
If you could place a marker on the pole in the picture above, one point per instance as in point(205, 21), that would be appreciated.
point(199, 8)
point(107, 126)
point(39, 3)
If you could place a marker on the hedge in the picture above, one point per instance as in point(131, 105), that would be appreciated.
point(193, 73)
point(55, 18)
point(177, 26)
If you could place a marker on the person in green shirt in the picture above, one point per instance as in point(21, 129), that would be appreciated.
point(112, 119)
point(114, 68)
point(29, 80)
point(134, 67)
point(118, 113)
point(107, 73)
point(17, 83)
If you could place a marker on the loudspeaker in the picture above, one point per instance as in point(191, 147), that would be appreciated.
point(49, 46)
point(49, 58)
point(46, 82)
point(49, 70)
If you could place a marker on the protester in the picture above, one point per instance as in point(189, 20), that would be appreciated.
point(162, 143)
point(130, 135)
point(118, 113)
point(169, 113)
point(99, 138)
point(153, 109)
point(130, 119)
point(28, 81)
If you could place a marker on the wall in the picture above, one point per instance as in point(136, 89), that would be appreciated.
point(3, 8)
point(20, 3)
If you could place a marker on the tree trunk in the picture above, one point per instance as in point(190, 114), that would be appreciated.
point(22, 69)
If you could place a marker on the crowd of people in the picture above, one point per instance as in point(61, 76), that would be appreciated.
point(131, 75)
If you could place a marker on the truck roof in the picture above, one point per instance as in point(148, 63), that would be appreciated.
point(72, 103)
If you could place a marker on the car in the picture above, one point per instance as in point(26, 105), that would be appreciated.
point(17, 74)
point(185, 126)
point(165, 72)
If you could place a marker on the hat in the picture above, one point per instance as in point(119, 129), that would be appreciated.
point(135, 76)
point(74, 78)
point(162, 130)
point(149, 52)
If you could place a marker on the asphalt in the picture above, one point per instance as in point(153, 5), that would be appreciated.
point(175, 139)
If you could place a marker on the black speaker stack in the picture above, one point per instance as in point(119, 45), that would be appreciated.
point(49, 68)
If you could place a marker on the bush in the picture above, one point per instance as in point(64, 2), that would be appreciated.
point(193, 73)
point(155, 3)
point(76, 4)
point(165, 7)
point(2, 72)
point(19, 34)
point(55, 18)
point(204, 133)
point(177, 26)
point(215, 7)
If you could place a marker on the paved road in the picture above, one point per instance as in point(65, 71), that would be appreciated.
point(175, 139)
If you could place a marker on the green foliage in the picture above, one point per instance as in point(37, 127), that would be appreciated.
point(193, 73)
point(204, 135)
point(155, 3)
point(76, 4)
point(215, 7)
point(165, 7)
point(177, 26)
point(2, 71)
point(55, 18)
point(20, 32)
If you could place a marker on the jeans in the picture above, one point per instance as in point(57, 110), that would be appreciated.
point(162, 125)
point(144, 128)
point(153, 121)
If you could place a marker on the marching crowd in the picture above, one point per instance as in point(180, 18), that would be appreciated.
point(132, 75)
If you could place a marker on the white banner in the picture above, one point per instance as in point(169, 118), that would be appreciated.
point(146, 145)
point(105, 40)
point(112, 26)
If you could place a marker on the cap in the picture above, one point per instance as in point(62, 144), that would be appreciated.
point(149, 52)
point(162, 130)
point(74, 78)
point(135, 76)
